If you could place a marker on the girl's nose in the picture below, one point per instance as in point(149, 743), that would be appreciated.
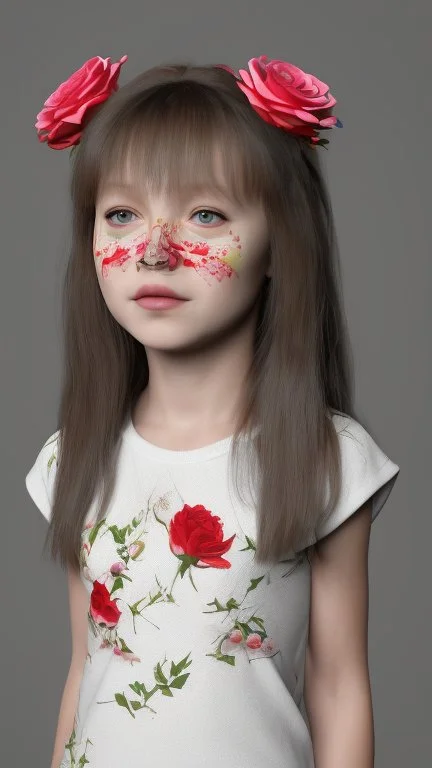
point(161, 250)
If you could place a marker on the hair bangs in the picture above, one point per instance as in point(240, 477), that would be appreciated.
point(182, 138)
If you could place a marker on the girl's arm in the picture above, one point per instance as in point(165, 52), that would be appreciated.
point(337, 686)
point(78, 605)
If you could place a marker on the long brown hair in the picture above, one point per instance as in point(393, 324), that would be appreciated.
point(164, 126)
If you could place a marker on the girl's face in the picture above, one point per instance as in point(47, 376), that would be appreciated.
point(203, 246)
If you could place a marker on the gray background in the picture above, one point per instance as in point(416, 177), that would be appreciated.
point(377, 61)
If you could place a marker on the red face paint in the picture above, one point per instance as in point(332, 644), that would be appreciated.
point(161, 247)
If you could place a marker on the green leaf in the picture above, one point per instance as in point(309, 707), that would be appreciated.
point(123, 702)
point(50, 461)
point(165, 690)
point(217, 604)
point(159, 675)
point(250, 545)
point(118, 584)
point(256, 620)
point(231, 604)
point(135, 705)
point(118, 535)
point(181, 665)
point(180, 681)
point(254, 583)
point(245, 629)
point(94, 531)
point(123, 646)
point(223, 657)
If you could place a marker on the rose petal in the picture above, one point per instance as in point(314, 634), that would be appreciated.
point(257, 75)
point(246, 77)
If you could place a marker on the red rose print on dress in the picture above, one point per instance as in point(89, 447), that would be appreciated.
point(196, 539)
point(104, 611)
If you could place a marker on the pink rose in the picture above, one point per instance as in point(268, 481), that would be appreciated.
point(253, 641)
point(66, 112)
point(117, 568)
point(285, 96)
point(236, 636)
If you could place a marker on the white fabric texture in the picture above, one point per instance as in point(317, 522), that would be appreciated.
point(200, 657)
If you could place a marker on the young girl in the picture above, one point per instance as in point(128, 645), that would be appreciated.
point(208, 487)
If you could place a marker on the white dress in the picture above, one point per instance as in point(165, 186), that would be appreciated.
point(196, 654)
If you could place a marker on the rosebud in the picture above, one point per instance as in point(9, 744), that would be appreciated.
point(135, 549)
point(236, 636)
point(268, 645)
point(117, 568)
point(253, 641)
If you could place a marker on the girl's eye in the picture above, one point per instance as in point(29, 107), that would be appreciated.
point(122, 214)
point(206, 216)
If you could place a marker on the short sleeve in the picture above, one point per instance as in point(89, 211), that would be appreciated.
point(40, 479)
point(367, 473)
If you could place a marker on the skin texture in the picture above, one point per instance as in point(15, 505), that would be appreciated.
point(337, 687)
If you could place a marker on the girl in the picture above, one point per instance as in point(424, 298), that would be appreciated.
point(208, 488)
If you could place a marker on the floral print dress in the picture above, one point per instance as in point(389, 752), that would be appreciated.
point(195, 652)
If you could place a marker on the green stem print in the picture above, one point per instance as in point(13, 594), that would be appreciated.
point(253, 636)
point(186, 561)
point(250, 634)
point(232, 604)
point(250, 545)
point(73, 760)
point(163, 683)
point(137, 608)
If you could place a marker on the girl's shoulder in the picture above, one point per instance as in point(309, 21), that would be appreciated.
point(367, 473)
point(40, 478)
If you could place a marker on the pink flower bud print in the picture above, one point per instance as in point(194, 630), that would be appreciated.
point(268, 645)
point(236, 636)
point(117, 568)
point(253, 641)
point(135, 549)
point(126, 655)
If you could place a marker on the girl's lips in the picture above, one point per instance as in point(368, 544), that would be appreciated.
point(159, 302)
point(157, 290)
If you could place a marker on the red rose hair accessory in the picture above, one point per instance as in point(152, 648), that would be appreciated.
point(285, 96)
point(66, 112)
